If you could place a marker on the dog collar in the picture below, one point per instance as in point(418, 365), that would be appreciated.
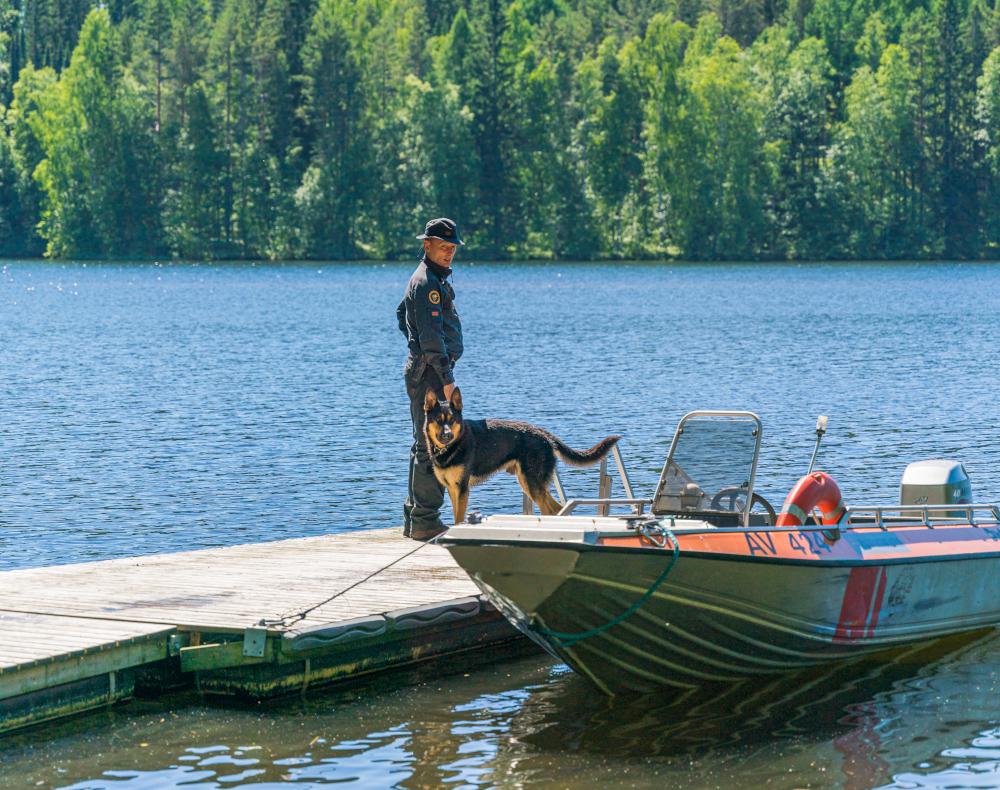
point(440, 454)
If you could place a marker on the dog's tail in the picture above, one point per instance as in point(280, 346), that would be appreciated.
point(587, 457)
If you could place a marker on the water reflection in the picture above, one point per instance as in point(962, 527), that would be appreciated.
point(922, 717)
point(963, 774)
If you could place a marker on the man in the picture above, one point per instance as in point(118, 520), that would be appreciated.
point(428, 318)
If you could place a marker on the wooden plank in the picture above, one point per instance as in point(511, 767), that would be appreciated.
point(220, 656)
point(214, 590)
point(32, 640)
point(437, 644)
point(59, 652)
point(20, 641)
point(57, 673)
point(64, 700)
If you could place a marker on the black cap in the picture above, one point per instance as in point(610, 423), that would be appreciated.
point(443, 229)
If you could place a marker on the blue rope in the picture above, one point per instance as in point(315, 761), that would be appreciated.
point(568, 640)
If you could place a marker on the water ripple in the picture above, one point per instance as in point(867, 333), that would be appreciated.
point(237, 403)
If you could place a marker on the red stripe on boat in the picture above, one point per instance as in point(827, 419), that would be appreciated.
point(877, 605)
point(856, 611)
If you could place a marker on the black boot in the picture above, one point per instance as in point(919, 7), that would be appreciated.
point(425, 496)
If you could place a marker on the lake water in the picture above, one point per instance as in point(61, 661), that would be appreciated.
point(153, 408)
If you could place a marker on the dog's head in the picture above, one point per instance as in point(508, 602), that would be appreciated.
point(443, 420)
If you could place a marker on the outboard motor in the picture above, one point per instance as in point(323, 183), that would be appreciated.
point(935, 483)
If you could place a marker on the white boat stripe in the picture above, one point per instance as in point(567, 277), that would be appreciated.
point(794, 510)
point(836, 511)
point(875, 602)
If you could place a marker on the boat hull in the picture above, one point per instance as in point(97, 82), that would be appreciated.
point(723, 617)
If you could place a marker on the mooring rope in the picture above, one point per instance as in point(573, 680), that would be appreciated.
point(282, 622)
point(568, 640)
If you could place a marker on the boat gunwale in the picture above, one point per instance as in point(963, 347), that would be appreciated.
point(857, 527)
point(847, 562)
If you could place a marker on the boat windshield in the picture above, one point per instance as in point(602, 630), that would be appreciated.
point(711, 464)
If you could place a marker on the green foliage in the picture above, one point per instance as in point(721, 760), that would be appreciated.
point(988, 136)
point(720, 164)
point(333, 129)
point(335, 105)
point(9, 19)
point(94, 129)
point(49, 30)
point(9, 199)
point(193, 215)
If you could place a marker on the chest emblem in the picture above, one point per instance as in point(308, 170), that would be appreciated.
point(435, 297)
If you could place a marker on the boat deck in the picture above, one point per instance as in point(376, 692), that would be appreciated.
point(78, 636)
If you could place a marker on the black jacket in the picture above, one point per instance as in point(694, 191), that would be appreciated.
point(428, 318)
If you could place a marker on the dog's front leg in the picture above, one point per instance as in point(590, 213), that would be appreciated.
point(463, 501)
point(456, 501)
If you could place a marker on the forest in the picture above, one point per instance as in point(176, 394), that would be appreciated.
point(567, 129)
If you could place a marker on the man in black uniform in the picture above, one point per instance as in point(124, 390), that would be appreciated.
point(428, 318)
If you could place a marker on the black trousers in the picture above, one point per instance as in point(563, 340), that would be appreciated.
point(425, 494)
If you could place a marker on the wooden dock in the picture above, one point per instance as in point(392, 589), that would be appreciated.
point(81, 636)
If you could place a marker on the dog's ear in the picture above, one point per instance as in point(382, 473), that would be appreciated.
point(456, 399)
point(430, 400)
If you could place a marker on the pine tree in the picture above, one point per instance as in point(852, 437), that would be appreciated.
point(332, 187)
point(193, 215)
point(50, 30)
point(487, 82)
point(988, 138)
point(10, 203)
point(156, 19)
point(10, 48)
point(958, 193)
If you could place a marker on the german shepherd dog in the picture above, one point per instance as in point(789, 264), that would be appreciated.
point(466, 453)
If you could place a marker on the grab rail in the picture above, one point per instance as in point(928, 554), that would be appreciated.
point(603, 501)
point(925, 514)
point(637, 504)
point(621, 471)
point(877, 515)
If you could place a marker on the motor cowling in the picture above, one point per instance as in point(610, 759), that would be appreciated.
point(935, 482)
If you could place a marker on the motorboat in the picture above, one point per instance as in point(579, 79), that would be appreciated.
point(705, 581)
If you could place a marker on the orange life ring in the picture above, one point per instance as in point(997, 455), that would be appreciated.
point(815, 490)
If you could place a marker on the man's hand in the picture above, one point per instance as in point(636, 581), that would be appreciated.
point(448, 389)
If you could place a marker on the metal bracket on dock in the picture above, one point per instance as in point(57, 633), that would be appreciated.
point(175, 642)
point(254, 642)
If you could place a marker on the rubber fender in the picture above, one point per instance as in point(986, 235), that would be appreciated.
point(433, 614)
point(317, 636)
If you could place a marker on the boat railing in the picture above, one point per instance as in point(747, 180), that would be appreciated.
point(603, 499)
point(637, 505)
point(876, 515)
point(862, 516)
point(859, 517)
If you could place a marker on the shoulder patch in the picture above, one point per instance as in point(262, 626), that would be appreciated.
point(435, 297)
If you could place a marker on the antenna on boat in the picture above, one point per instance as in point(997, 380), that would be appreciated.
point(820, 430)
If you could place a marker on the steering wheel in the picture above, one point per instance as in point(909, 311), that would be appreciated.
point(734, 493)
